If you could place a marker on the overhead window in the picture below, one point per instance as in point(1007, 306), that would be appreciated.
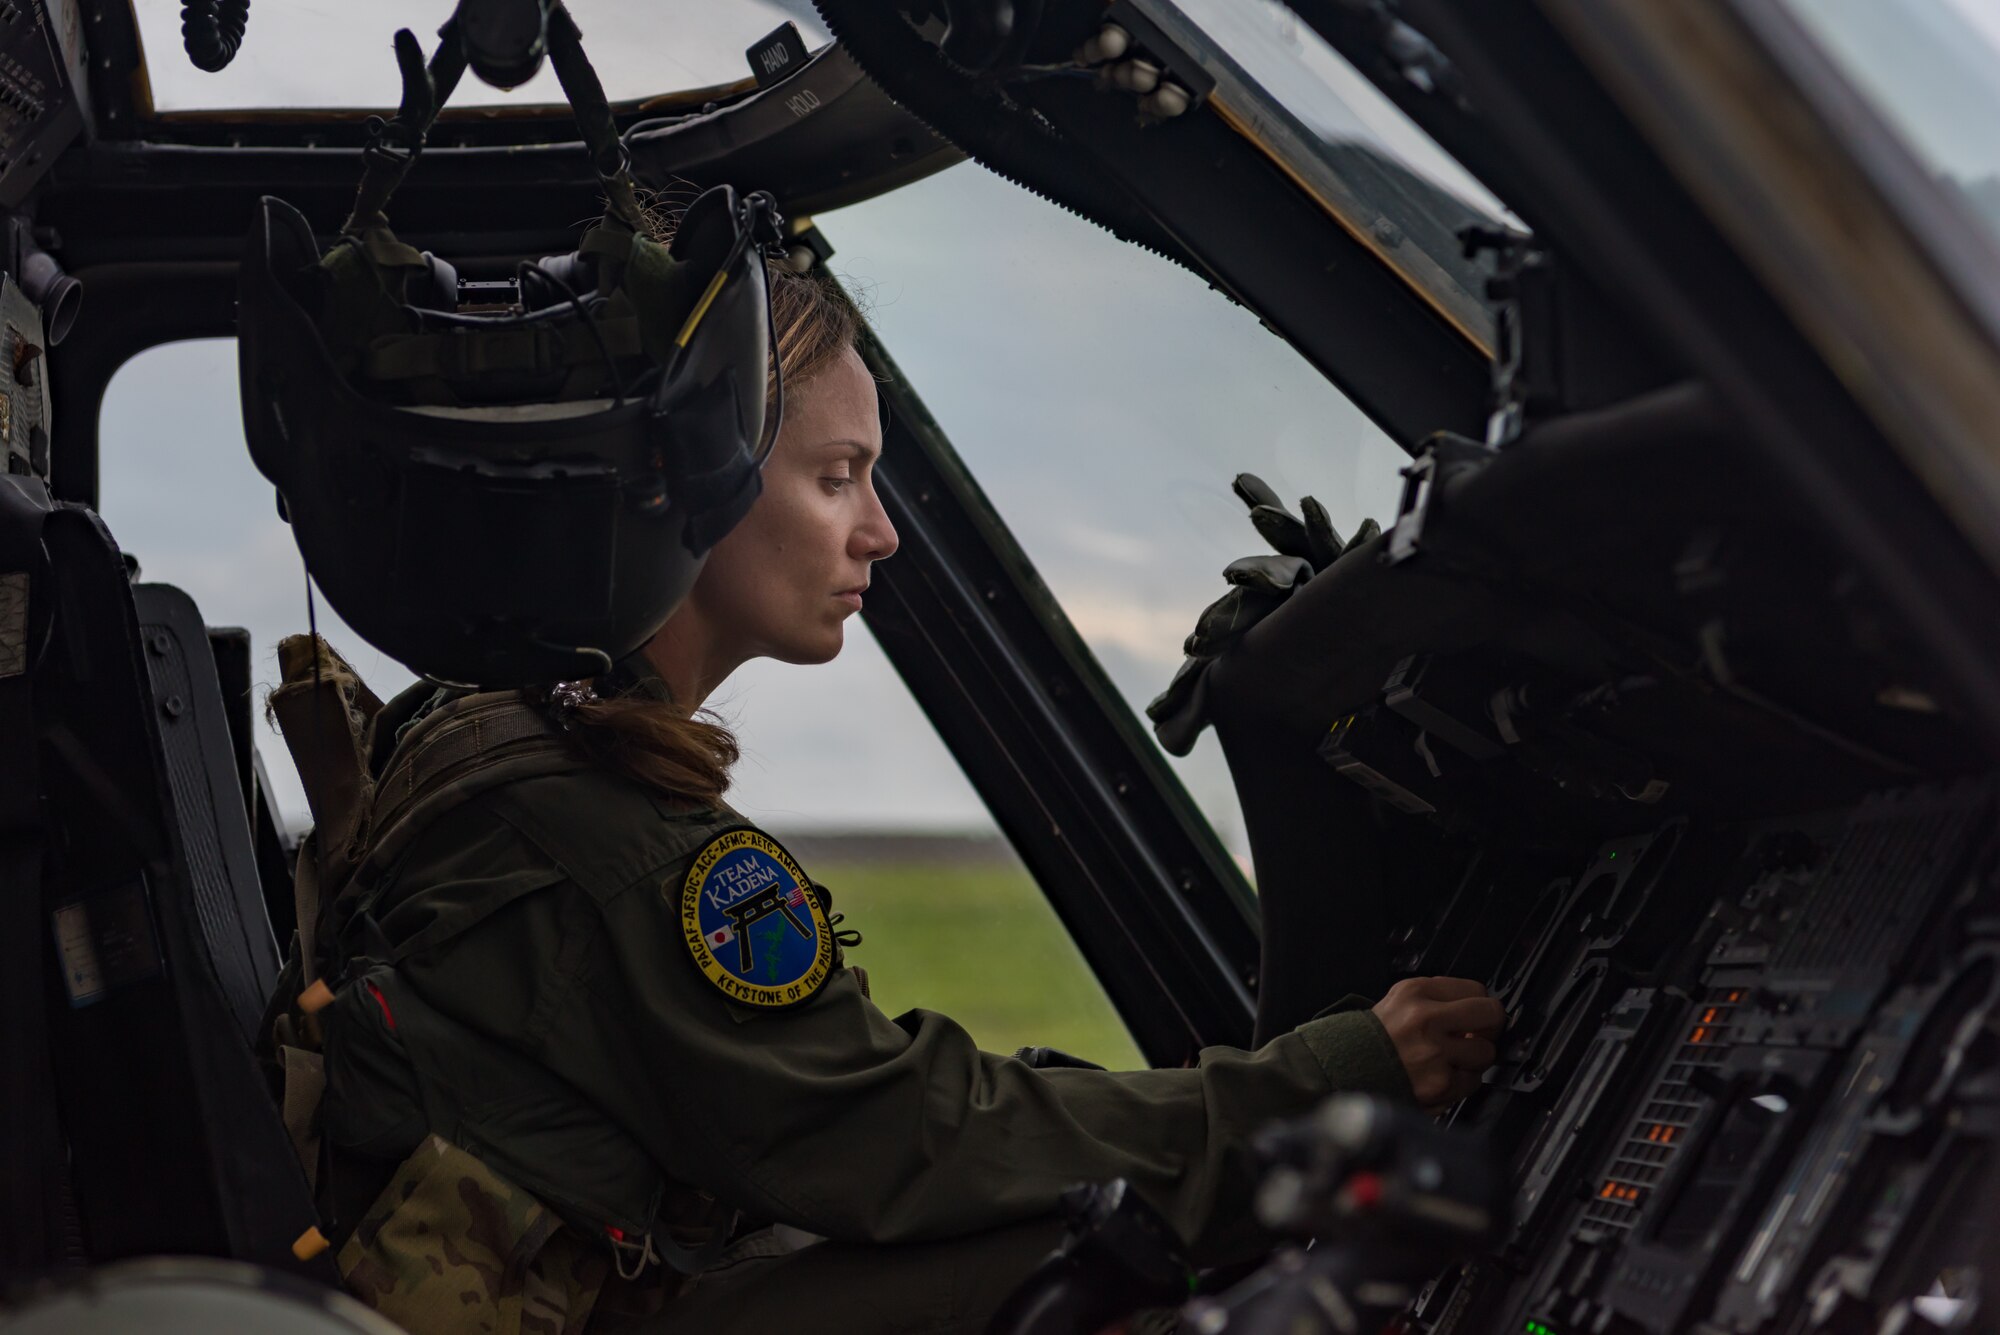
point(335, 54)
point(1387, 182)
point(1932, 70)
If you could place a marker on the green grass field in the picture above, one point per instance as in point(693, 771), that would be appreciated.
point(978, 943)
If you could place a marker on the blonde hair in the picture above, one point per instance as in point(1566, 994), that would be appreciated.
point(660, 744)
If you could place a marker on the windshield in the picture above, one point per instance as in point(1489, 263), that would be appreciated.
point(335, 54)
point(1932, 69)
point(1108, 456)
point(1279, 84)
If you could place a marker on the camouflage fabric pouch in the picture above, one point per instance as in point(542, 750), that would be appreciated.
point(452, 1247)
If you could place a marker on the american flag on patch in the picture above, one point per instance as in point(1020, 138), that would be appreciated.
point(797, 899)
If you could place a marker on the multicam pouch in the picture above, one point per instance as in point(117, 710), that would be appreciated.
point(452, 1247)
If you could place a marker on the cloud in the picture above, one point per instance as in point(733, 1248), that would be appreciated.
point(1152, 633)
point(1104, 545)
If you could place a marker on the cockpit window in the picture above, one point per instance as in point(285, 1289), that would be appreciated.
point(1104, 398)
point(335, 55)
point(1932, 70)
point(1341, 140)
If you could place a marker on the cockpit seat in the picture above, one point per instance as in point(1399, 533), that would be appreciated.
point(208, 801)
point(150, 897)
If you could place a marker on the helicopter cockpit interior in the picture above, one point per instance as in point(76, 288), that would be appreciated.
point(1665, 699)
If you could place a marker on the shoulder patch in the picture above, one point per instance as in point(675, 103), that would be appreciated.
point(751, 921)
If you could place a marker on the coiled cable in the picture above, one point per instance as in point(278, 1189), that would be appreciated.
point(211, 30)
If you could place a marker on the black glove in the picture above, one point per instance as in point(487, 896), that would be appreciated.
point(1257, 585)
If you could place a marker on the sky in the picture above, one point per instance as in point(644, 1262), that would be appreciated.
point(1933, 66)
point(1102, 396)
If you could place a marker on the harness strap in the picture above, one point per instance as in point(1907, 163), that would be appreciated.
point(458, 750)
point(592, 110)
point(304, 1073)
point(453, 733)
point(325, 712)
point(425, 89)
point(305, 905)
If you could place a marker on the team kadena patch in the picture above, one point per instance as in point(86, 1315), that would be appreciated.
point(752, 922)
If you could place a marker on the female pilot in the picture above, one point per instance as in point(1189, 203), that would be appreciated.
point(618, 1019)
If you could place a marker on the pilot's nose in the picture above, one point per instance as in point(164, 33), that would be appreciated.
point(874, 538)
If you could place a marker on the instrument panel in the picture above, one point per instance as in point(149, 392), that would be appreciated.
point(1749, 1080)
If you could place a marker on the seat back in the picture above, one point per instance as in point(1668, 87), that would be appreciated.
point(32, 1183)
point(162, 946)
point(208, 801)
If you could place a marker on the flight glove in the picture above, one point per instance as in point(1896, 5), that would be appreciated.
point(1257, 585)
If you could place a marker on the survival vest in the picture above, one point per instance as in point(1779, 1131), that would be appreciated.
point(447, 1165)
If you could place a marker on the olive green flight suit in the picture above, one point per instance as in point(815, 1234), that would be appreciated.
point(933, 1168)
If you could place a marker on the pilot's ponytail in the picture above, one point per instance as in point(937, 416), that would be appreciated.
point(659, 744)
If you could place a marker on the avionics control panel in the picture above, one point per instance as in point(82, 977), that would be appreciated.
point(1749, 1082)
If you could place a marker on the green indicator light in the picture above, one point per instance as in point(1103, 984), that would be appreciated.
point(1544, 1330)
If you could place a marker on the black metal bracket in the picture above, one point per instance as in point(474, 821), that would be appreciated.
point(1442, 456)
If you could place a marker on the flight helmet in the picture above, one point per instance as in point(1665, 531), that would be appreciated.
point(517, 482)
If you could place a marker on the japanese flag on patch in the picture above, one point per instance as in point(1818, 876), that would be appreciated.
point(722, 935)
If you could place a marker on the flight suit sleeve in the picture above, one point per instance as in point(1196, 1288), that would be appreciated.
point(833, 1117)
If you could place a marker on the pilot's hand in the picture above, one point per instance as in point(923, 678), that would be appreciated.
point(1444, 1029)
point(1257, 585)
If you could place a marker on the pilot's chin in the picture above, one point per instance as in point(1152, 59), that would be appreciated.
point(823, 648)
